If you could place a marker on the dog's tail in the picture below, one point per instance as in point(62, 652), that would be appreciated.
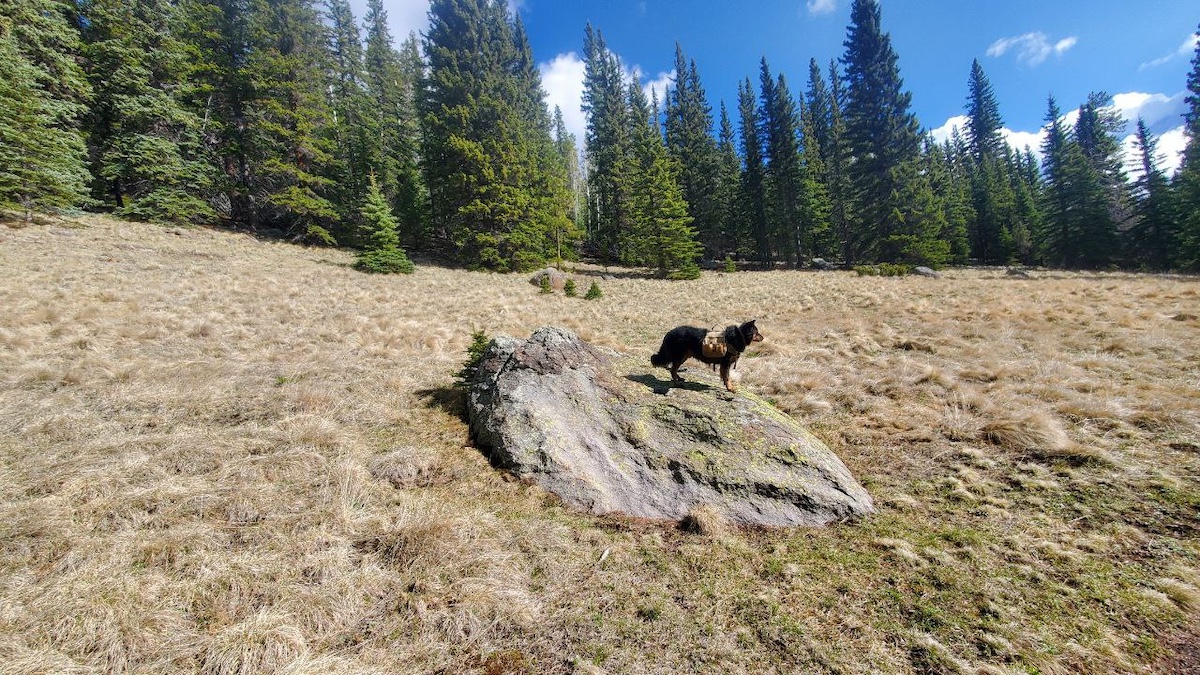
point(658, 360)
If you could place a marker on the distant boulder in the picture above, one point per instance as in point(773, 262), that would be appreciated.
point(822, 264)
point(926, 272)
point(608, 435)
point(558, 280)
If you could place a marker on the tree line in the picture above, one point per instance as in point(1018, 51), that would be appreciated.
point(292, 117)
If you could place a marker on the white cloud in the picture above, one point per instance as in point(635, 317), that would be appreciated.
point(1162, 113)
point(1032, 49)
point(1017, 140)
point(658, 86)
point(562, 79)
point(409, 16)
point(1186, 49)
point(1170, 146)
point(404, 16)
point(821, 7)
point(943, 133)
point(1064, 44)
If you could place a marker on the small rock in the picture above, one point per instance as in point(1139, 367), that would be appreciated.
point(926, 272)
point(1018, 272)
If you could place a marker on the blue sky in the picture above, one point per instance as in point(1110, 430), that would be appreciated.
point(1139, 52)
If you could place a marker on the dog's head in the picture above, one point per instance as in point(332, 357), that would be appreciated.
point(750, 332)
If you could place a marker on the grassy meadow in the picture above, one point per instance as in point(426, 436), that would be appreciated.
point(230, 456)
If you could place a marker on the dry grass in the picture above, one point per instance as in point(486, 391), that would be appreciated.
point(223, 455)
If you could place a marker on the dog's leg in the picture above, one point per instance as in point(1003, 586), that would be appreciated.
point(725, 378)
point(675, 371)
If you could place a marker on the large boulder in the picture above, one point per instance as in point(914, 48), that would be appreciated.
point(606, 433)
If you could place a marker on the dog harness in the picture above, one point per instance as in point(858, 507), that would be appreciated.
point(714, 346)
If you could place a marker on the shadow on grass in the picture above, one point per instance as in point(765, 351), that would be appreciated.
point(452, 400)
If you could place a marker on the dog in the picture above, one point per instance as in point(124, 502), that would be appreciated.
point(716, 348)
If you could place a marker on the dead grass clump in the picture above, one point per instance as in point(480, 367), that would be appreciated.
point(464, 578)
point(18, 657)
point(107, 619)
point(1159, 418)
point(263, 643)
point(1031, 431)
point(935, 375)
point(706, 521)
point(1183, 594)
point(910, 345)
point(958, 424)
point(902, 550)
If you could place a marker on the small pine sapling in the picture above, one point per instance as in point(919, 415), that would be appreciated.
point(730, 266)
point(569, 288)
point(544, 286)
point(475, 352)
point(593, 292)
point(385, 255)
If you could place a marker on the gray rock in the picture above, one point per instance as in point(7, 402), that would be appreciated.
point(607, 434)
point(558, 280)
point(822, 264)
point(926, 272)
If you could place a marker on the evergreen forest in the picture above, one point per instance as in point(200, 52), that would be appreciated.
point(297, 119)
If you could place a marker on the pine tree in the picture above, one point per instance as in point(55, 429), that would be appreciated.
point(287, 69)
point(1060, 157)
point(753, 195)
point(391, 78)
point(992, 194)
point(837, 177)
point(1186, 185)
point(690, 142)
point(819, 105)
point(42, 90)
point(660, 236)
point(383, 255)
point(568, 236)
point(1102, 191)
point(983, 116)
point(497, 191)
point(355, 125)
point(1153, 240)
point(607, 143)
point(995, 210)
point(216, 35)
point(947, 170)
point(733, 237)
point(780, 127)
point(882, 135)
point(815, 205)
point(1026, 187)
point(147, 154)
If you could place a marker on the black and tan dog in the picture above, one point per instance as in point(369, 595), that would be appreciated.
point(717, 348)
